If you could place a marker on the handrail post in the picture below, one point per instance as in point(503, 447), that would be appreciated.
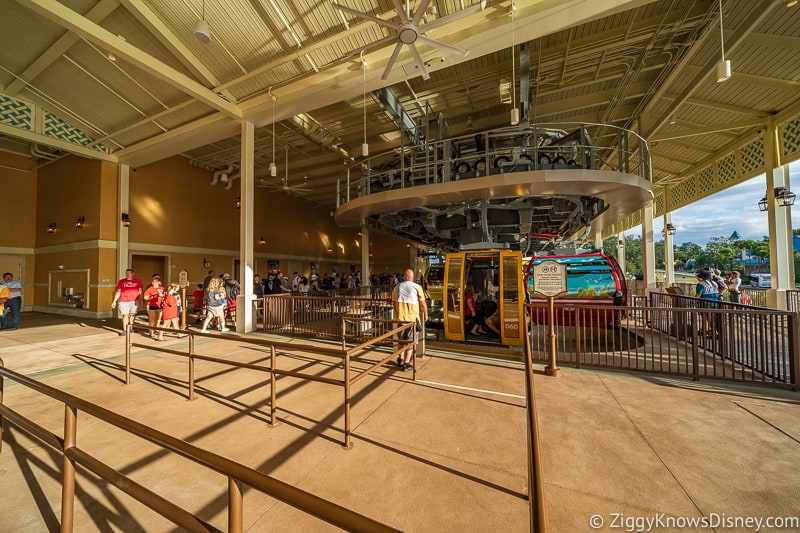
point(68, 475)
point(273, 408)
point(191, 366)
point(794, 353)
point(536, 503)
point(234, 505)
point(127, 355)
point(347, 443)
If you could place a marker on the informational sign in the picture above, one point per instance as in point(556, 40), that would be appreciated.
point(550, 278)
point(183, 278)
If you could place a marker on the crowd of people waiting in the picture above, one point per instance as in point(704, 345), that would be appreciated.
point(713, 286)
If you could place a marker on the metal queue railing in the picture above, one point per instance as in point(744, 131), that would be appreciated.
point(236, 473)
point(677, 335)
point(758, 295)
point(321, 316)
point(536, 497)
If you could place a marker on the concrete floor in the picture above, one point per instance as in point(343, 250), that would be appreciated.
point(444, 453)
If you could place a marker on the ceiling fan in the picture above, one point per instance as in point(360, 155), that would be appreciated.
point(283, 186)
point(410, 31)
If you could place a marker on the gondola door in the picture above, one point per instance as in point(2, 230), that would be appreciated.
point(453, 307)
point(511, 299)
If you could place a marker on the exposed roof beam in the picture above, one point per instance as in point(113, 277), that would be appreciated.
point(720, 106)
point(755, 16)
point(58, 48)
point(166, 37)
point(779, 41)
point(710, 129)
point(46, 140)
point(763, 81)
point(691, 146)
point(63, 16)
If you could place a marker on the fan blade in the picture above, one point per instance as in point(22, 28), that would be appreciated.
point(421, 8)
point(392, 59)
point(456, 50)
point(400, 11)
point(418, 59)
point(367, 16)
point(467, 11)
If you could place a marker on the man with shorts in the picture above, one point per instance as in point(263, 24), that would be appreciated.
point(409, 306)
point(128, 291)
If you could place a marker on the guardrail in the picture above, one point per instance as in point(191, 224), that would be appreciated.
point(551, 146)
point(679, 335)
point(236, 474)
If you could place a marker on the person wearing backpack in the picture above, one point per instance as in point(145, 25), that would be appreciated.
point(232, 289)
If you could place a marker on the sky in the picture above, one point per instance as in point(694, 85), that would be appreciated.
point(734, 209)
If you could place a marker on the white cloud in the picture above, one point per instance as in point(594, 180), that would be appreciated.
point(734, 209)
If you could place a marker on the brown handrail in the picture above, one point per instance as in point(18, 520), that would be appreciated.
point(345, 354)
point(536, 498)
point(235, 472)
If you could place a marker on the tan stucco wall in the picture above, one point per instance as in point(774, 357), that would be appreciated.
point(177, 216)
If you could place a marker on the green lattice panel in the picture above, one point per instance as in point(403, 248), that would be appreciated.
point(57, 128)
point(15, 113)
point(675, 195)
point(658, 205)
point(751, 157)
point(790, 138)
point(690, 187)
point(726, 169)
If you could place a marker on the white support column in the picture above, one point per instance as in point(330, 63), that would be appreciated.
point(245, 315)
point(781, 257)
point(364, 253)
point(598, 242)
point(669, 253)
point(648, 249)
point(123, 185)
point(621, 252)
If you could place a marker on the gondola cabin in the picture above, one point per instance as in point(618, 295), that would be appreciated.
point(494, 277)
point(594, 281)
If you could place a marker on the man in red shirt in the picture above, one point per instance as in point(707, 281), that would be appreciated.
point(128, 291)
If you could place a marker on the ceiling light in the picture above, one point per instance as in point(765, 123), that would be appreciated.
point(237, 203)
point(51, 228)
point(202, 31)
point(80, 222)
point(364, 146)
point(262, 241)
point(126, 220)
point(723, 68)
point(791, 3)
point(514, 110)
point(273, 169)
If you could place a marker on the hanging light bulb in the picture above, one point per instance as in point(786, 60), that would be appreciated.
point(202, 31)
point(514, 110)
point(364, 145)
point(273, 169)
point(723, 68)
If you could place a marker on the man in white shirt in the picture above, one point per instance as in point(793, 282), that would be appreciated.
point(409, 306)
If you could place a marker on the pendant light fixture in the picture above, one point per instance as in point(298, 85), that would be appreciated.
point(514, 110)
point(273, 169)
point(202, 31)
point(723, 68)
point(364, 145)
